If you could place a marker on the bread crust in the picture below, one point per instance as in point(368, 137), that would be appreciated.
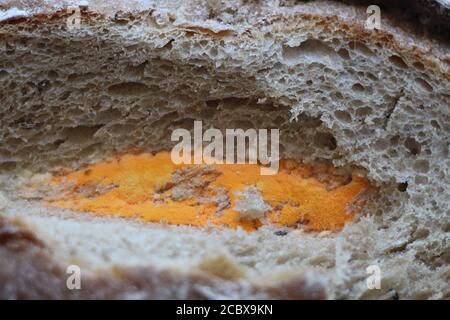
point(407, 36)
point(423, 16)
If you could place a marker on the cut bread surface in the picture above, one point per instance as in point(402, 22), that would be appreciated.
point(340, 94)
point(153, 188)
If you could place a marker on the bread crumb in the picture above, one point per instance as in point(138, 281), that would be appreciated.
point(251, 205)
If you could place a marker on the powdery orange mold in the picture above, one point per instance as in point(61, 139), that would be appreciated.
point(152, 188)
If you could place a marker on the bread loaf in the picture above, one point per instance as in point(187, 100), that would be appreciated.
point(373, 101)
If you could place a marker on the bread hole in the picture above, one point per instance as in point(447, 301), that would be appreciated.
point(128, 89)
point(81, 134)
point(364, 112)
point(402, 187)
point(207, 113)
point(200, 70)
point(282, 81)
point(393, 153)
point(120, 129)
point(338, 95)
point(5, 153)
point(109, 115)
point(421, 233)
point(23, 41)
point(169, 45)
point(435, 124)
point(164, 119)
point(398, 62)
point(65, 95)
point(36, 107)
point(120, 21)
point(395, 139)
point(422, 166)
point(136, 71)
point(365, 131)
point(444, 149)
point(361, 48)
point(343, 53)
point(419, 65)
point(357, 87)
point(418, 199)
point(424, 85)
point(325, 140)
point(349, 133)
point(12, 141)
point(6, 165)
point(89, 150)
point(421, 180)
point(3, 74)
point(381, 145)
point(233, 102)
point(212, 103)
point(413, 146)
point(311, 50)
point(43, 85)
point(213, 52)
point(336, 42)
point(41, 45)
point(343, 116)
point(76, 77)
point(279, 121)
point(371, 76)
point(30, 124)
point(58, 142)
point(356, 103)
point(52, 74)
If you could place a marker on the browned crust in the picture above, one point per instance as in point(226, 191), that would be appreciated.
point(429, 16)
point(398, 35)
point(27, 271)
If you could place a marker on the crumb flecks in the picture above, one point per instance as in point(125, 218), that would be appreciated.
point(152, 188)
point(251, 205)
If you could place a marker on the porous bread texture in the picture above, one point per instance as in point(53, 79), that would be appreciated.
point(377, 99)
point(28, 271)
point(122, 251)
point(336, 262)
